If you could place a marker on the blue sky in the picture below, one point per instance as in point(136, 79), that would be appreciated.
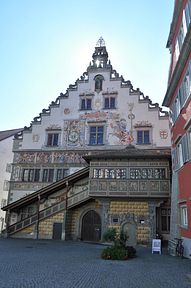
point(47, 44)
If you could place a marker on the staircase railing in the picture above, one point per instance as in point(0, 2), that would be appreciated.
point(33, 218)
point(72, 201)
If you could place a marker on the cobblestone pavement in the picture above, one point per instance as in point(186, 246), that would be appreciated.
point(54, 264)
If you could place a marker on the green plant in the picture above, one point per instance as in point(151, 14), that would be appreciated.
point(110, 235)
point(114, 253)
point(119, 250)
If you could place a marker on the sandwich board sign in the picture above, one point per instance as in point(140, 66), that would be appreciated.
point(156, 245)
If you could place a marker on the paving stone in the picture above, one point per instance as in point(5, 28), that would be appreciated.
point(59, 264)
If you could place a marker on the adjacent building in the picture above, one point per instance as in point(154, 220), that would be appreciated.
point(178, 99)
point(6, 156)
point(98, 157)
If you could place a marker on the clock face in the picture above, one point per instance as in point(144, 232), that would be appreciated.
point(73, 136)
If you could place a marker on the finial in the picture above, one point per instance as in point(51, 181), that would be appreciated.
point(100, 42)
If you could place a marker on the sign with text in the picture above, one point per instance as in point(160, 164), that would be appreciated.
point(156, 245)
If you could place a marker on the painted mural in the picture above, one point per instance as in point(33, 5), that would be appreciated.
point(74, 133)
point(121, 131)
point(43, 157)
point(24, 157)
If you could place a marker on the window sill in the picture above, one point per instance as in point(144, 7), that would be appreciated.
point(96, 144)
point(143, 143)
point(184, 227)
point(89, 109)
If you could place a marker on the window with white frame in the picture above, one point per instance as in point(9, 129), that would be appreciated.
point(182, 151)
point(53, 138)
point(179, 155)
point(185, 148)
point(109, 103)
point(31, 175)
point(96, 135)
point(182, 95)
point(186, 86)
point(48, 175)
point(143, 137)
point(177, 50)
point(61, 173)
point(183, 216)
point(177, 103)
point(181, 37)
point(187, 13)
point(109, 173)
point(184, 23)
point(86, 104)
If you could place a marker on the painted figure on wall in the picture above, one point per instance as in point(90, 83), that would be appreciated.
point(121, 132)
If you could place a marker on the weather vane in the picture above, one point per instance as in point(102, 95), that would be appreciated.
point(100, 42)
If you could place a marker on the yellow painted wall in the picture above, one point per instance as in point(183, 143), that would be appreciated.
point(46, 225)
point(138, 209)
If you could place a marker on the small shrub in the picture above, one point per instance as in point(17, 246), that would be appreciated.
point(114, 253)
point(119, 250)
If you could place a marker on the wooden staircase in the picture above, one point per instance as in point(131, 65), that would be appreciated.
point(72, 201)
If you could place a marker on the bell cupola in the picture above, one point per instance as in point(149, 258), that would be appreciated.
point(100, 55)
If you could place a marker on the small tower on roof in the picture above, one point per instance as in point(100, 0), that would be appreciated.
point(100, 55)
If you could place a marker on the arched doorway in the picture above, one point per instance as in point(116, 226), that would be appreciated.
point(91, 227)
point(129, 228)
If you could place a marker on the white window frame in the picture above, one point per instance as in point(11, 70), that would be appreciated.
point(86, 101)
point(184, 216)
point(110, 101)
point(96, 125)
point(55, 132)
point(184, 92)
point(179, 155)
point(143, 129)
point(187, 12)
point(177, 50)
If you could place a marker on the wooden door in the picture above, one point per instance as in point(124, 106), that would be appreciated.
point(91, 227)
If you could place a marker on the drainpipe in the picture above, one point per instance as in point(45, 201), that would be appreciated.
point(37, 222)
point(65, 213)
point(7, 222)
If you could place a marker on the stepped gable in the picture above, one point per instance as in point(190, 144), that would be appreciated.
point(100, 62)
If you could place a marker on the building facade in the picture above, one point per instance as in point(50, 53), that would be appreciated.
point(178, 99)
point(127, 189)
point(100, 112)
point(6, 156)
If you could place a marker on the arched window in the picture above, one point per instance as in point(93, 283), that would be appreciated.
point(98, 83)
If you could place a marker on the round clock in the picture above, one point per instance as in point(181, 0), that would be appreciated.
point(73, 136)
